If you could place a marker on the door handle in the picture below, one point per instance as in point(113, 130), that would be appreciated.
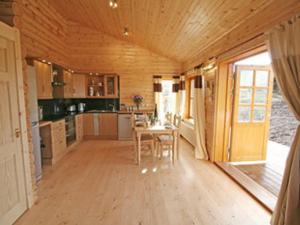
point(17, 132)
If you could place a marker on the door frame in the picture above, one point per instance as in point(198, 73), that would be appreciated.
point(224, 100)
point(13, 34)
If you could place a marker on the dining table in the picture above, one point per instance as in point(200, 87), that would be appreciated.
point(155, 130)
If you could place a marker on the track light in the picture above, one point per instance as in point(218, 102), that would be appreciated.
point(113, 4)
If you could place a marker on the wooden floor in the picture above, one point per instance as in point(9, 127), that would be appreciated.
point(98, 183)
point(269, 174)
point(261, 179)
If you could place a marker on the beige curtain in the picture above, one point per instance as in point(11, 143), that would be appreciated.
point(199, 117)
point(181, 96)
point(284, 46)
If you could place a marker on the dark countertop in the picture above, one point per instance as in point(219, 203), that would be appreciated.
point(54, 118)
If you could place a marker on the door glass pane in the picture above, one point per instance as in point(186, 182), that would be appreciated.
point(246, 78)
point(110, 85)
point(259, 114)
point(245, 96)
point(262, 78)
point(261, 96)
point(244, 114)
point(192, 88)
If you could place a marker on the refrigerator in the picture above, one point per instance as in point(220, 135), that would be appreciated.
point(34, 119)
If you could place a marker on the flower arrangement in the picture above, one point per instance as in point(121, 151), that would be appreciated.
point(137, 99)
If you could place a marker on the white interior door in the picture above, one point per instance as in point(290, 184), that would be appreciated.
point(12, 185)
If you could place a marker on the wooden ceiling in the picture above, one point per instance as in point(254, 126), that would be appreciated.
point(178, 29)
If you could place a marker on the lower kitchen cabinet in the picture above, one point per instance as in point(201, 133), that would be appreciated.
point(59, 146)
point(108, 125)
point(54, 142)
point(88, 125)
point(79, 127)
point(100, 125)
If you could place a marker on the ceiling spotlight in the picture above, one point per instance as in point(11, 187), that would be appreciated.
point(49, 63)
point(126, 33)
point(43, 60)
point(113, 4)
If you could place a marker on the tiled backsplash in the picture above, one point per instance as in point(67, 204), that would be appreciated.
point(58, 106)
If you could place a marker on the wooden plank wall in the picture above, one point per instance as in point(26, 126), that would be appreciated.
point(270, 16)
point(97, 52)
point(44, 34)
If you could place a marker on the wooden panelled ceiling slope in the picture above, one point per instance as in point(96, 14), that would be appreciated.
point(178, 29)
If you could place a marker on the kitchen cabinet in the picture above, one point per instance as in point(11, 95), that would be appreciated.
point(79, 86)
point(108, 125)
point(44, 80)
point(54, 142)
point(59, 146)
point(68, 84)
point(111, 86)
point(100, 125)
point(103, 86)
point(79, 127)
point(88, 125)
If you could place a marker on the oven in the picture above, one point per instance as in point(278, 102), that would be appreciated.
point(70, 129)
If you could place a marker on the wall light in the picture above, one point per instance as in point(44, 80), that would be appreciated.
point(113, 4)
point(126, 33)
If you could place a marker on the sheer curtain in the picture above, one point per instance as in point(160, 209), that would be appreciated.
point(199, 117)
point(284, 46)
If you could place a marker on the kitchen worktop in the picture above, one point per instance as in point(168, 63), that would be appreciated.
point(54, 118)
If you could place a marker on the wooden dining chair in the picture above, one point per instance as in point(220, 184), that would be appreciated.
point(166, 141)
point(147, 140)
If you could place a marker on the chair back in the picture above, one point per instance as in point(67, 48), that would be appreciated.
point(168, 117)
point(138, 120)
point(177, 120)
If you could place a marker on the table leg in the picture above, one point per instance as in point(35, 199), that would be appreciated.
point(174, 155)
point(139, 149)
point(177, 144)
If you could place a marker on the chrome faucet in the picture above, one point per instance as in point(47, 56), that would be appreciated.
point(113, 107)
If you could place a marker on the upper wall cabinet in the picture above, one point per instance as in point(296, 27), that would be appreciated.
point(79, 85)
point(68, 84)
point(102, 86)
point(44, 80)
point(111, 89)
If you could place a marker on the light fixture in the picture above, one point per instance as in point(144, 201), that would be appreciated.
point(113, 4)
point(91, 73)
point(126, 33)
point(43, 60)
point(49, 63)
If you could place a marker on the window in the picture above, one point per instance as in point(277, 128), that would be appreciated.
point(167, 99)
point(191, 97)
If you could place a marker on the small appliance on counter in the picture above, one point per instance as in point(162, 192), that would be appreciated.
point(41, 114)
point(71, 109)
point(81, 107)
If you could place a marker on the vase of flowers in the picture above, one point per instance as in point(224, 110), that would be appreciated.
point(137, 99)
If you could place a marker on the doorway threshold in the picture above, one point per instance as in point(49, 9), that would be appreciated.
point(261, 194)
